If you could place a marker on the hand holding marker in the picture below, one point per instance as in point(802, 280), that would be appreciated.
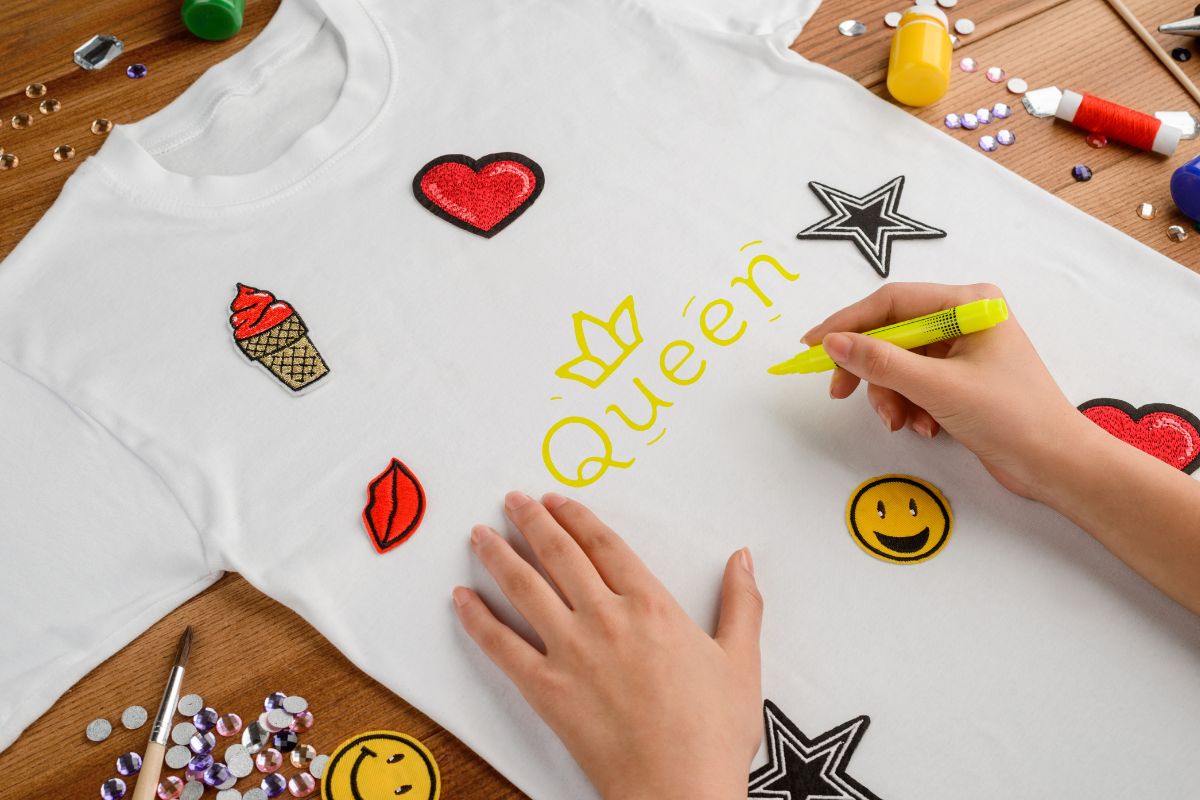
point(936, 327)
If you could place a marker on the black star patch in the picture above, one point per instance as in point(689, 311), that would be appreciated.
point(871, 222)
point(808, 769)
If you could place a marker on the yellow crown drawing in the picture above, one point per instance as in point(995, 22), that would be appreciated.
point(601, 355)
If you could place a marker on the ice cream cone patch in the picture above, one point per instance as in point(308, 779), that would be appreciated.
point(270, 332)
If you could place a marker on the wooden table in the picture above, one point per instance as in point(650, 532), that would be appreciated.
point(247, 645)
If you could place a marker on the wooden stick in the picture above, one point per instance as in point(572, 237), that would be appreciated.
point(1124, 13)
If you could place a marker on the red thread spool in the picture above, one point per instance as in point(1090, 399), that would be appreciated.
point(1134, 128)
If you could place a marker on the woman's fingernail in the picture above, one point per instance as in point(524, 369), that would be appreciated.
point(747, 560)
point(808, 333)
point(883, 415)
point(922, 427)
point(837, 345)
point(552, 500)
point(477, 534)
point(461, 596)
point(514, 500)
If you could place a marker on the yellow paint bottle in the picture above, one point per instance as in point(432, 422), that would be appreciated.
point(919, 66)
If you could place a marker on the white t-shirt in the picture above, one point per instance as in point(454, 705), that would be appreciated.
point(404, 326)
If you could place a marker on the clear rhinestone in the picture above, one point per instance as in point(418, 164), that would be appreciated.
point(995, 74)
point(21, 121)
point(10, 161)
point(49, 106)
point(99, 51)
point(64, 152)
point(1176, 233)
point(1147, 211)
point(35, 90)
point(968, 64)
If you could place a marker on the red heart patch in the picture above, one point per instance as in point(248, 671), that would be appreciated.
point(1167, 432)
point(482, 196)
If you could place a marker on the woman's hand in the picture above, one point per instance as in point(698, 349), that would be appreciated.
point(992, 393)
point(989, 390)
point(649, 705)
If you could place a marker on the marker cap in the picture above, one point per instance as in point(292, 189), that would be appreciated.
point(213, 19)
point(981, 314)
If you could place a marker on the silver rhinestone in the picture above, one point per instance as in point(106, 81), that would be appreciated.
point(183, 733)
point(892, 19)
point(192, 790)
point(317, 767)
point(279, 718)
point(237, 758)
point(190, 705)
point(295, 704)
point(1018, 85)
point(255, 737)
point(1182, 121)
point(133, 717)
point(178, 757)
point(1176, 233)
point(98, 730)
point(964, 26)
point(1042, 102)
point(229, 794)
point(255, 794)
point(98, 52)
point(852, 27)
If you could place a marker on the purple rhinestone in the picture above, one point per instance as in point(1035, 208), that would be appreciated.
point(286, 741)
point(274, 700)
point(273, 785)
point(129, 764)
point(196, 767)
point(202, 743)
point(1081, 172)
point(205, 719)
point(216, 774)
point(136, 71)
point(114, 789)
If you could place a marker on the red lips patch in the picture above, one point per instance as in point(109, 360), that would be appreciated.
point(1169, 433)
point(395, 506)
point(482, 196)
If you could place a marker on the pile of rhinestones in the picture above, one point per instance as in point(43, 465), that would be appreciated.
point(969, 120)
point(264, 744)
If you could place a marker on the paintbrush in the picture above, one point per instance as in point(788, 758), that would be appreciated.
point(147, 782)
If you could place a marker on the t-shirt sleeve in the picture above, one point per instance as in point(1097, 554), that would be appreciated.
point(753, 17)
point(95, 549)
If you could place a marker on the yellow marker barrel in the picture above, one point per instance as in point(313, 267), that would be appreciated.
point(919, 66)
point(936, 327)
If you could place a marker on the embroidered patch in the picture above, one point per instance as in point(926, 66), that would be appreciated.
point(899, 518)
point(871, 222)
point(1167, 432)
point(395, 506)
point(482, 196)
point(270, 332)
point(808, 769)
point(380, 764)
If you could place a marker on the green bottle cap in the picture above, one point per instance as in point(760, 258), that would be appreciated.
point(213, 19)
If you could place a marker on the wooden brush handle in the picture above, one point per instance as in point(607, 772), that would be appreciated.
point(147, 782)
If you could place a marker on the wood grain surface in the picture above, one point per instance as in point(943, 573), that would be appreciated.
point(247, 645)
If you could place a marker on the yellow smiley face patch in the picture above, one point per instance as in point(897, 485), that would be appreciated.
point(381, 765)
point(899, 518)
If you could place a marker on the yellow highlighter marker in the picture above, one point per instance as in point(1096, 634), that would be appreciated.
point(936, 327)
